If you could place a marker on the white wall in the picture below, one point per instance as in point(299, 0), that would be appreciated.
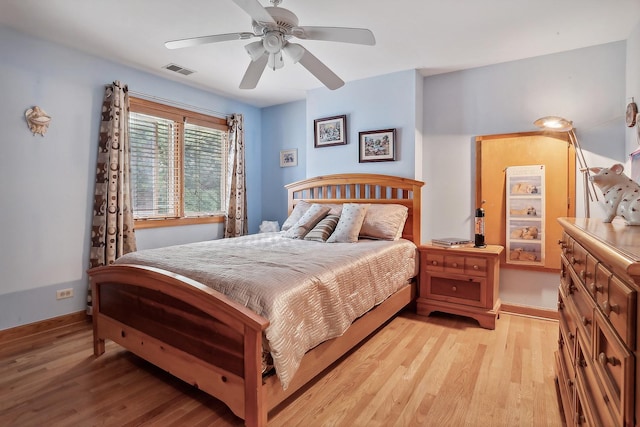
point(633, 90)
point(585, 85)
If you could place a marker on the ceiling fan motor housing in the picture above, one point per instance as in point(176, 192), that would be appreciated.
point(285, 20)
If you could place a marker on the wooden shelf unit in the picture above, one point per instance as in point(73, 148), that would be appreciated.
point(463, 281)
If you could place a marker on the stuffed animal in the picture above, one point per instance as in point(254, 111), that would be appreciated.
point(519, 254)
point(527, 233)
point(524, 188)
point(529, 210)
point(621, 193)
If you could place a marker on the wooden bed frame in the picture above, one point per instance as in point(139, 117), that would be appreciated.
point(214, 343)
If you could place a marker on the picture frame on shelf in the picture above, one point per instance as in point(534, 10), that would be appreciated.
point(330, 131)
point(377, 146)
point(289, 158)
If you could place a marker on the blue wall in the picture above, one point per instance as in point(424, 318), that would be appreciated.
point(46, 211)
point(48, 182)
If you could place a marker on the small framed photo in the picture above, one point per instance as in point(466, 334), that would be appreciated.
point(377, 145)
point(289, 158)
point(330, 131)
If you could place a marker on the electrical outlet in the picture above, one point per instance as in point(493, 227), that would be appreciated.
point(64, 293)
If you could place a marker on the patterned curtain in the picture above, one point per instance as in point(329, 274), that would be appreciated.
point(112, 233)
point(236, 223)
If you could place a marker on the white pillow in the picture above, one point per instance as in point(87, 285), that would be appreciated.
point(349, 224)
point(299, 209)
point(311, 217)
point(384, 222)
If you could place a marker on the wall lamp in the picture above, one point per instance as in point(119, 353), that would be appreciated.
point(560, 124)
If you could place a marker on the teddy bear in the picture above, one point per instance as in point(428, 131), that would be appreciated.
point(527, 233)
point(519, 254)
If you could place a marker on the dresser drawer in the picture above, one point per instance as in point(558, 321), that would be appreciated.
point(581, 303)
point(578, 261)
point(568, 325)
point(460, 290)
point(620, 308)
point(593, 402)
point(615, 367)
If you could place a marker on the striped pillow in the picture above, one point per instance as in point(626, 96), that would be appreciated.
point(307, 221)
point(322, 230)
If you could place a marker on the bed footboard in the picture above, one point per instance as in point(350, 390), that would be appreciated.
point(185, 328)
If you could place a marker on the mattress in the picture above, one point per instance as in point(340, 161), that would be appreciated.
point(309, 291)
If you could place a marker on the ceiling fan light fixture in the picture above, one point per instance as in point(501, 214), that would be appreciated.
point(275, 61)
point(295, 51)
point(255, 50)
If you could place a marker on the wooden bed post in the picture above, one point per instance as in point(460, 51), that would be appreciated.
point(255, 408)
point(98, 343)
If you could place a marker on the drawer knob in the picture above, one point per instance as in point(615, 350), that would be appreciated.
point(560, 305)
point(455, 265)
point(476, 267)
point(583, 274)
point(585, 321)
point(572, 288)
point(608, 308)
point(595, 288)
point(610, 360)
point(453, 288)
point(434, 262)
point(571, 336)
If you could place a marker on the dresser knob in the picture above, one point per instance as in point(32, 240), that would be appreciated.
point(595, 288)
point(560, 306)
point(453, 288)
point(455, 265)
point(585, 321)
point(571, 288)
point(434, 262)
point(476, 267)
point(608, 308)
point(583, 274)
point(571, 336)
point(610, 360)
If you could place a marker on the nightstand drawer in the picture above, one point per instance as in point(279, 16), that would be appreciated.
point(475, 266)
point(459, 290)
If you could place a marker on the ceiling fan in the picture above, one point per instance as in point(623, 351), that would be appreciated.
point(275, 26)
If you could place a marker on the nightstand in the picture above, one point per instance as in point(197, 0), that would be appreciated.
point(463, 281)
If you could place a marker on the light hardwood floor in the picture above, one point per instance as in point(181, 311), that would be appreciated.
point(436, 371)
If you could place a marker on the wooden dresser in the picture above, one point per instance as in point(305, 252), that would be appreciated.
point(463, 281)
point(598, 380)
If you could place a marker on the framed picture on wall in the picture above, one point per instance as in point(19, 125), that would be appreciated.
point(288, 158)
point(330, 131)
point(377, 146)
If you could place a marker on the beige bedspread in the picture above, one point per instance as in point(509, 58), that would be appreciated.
point(309, 291)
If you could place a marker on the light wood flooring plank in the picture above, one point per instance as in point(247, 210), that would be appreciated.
point(440, 370)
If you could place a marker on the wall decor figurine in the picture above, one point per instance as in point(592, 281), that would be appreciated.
point(37, 120)
point(621, 193)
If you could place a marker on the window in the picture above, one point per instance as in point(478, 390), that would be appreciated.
point(177, 165)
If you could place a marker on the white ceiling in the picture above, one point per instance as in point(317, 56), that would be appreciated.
point(433, 36)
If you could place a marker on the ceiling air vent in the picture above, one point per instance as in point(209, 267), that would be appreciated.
point(179, 69)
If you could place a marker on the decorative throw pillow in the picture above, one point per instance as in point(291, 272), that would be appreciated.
point(300, 208)
point(384, 222)
point(311, 217)
point(349, 224)
point(323, 229)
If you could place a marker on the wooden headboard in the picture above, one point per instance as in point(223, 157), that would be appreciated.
point(362, 188)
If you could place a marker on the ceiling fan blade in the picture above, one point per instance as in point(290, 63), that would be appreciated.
point(256, 11)
point(313, 65)
point(336, 34)
point(196, 41)
point(254, 72)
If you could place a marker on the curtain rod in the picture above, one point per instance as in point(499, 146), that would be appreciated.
point(178, 104)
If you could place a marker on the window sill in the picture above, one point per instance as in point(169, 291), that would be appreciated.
point(140, 224)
